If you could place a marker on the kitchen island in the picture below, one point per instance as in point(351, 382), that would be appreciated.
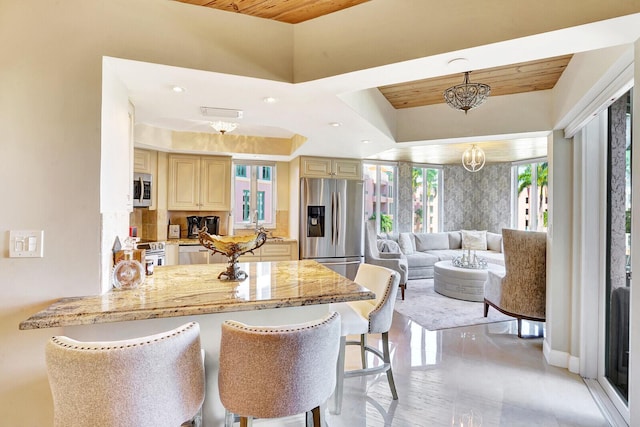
point(275, 293)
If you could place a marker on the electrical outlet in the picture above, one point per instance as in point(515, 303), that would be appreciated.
point(26, 243)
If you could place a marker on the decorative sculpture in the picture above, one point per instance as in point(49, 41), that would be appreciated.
point(232, 247)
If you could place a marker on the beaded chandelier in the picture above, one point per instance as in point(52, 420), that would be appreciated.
point(467, 95)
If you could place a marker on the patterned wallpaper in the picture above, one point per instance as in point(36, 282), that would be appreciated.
point(480, 200)
point(477, 200)
point(405, 197)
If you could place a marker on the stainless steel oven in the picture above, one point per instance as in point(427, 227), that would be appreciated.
point(142, 186)
point(155, 252)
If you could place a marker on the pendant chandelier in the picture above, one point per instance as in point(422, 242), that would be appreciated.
point(473, 158)
point(467, 95)
point(224, 127)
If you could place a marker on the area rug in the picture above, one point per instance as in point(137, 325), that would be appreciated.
point(433, 311)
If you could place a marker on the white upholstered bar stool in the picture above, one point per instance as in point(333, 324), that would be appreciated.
point(152, 381)
point(274, 372)
point(368, 317)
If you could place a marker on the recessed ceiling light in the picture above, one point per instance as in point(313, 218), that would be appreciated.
point(177, 89)
point(335, 124)
point(366, 141)
point(270, 100)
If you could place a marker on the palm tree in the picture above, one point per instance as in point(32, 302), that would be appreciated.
point(542, 180)
point(431, 183)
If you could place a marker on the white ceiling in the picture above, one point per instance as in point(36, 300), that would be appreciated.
point(309, 108)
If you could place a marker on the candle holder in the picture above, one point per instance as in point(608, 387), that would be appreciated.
point(469, 259)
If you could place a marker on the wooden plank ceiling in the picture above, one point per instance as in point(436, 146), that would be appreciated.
point(509, 79)
point(290, 11)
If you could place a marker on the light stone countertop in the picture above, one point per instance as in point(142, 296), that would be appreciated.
point(185, 290)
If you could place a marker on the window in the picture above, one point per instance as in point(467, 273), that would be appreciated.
point(530, 184)
point(379, 202)
point(619, 247)
point(426, 182)
point(245, 205)
point(264, 173)
point(254, 194)
point(260, 205)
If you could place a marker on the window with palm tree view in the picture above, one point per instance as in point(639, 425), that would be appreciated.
point(531, 198)
point(379, 195)
point(426, 199)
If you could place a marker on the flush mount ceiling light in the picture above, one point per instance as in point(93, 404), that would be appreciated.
point(223, 127)
point(473, 158)
point(467, 95)
point(178, 89)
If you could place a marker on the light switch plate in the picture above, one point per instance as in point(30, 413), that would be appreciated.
point(26, 243)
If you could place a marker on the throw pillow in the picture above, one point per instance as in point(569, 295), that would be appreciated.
point(455, 240)
point(389, 246)
point(494, 241)
point(392, 236)
point(431, 241)
point(406, 244)
point(475, 240)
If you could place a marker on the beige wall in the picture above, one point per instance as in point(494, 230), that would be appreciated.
point(50, 128)
point(50, 147)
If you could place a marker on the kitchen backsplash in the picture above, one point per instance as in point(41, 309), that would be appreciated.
point(153, 225)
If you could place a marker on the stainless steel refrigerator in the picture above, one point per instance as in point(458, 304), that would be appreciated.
point(331, 223)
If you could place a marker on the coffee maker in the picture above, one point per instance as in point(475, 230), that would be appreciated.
point(212, 223)
point(193, 226)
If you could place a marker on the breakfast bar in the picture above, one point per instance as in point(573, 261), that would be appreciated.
point(275, 293)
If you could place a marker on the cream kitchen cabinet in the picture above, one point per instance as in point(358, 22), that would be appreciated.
point(273, 250)
point(199, 183)
point(325, 167)
point(143, 161)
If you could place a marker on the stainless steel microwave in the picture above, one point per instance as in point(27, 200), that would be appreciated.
point(142, 186)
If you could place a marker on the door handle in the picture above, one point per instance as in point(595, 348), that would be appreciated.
point(141, 189)
point(333, 218)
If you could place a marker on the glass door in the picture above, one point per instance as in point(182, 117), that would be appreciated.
point(618, 253)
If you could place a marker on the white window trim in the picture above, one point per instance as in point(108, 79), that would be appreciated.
point(253, 191)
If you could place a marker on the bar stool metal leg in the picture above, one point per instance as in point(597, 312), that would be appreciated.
point(387, 360)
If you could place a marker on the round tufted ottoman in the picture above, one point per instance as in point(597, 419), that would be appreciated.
point(461, 283)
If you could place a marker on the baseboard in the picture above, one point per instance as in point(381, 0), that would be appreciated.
point(555, 357)
point(574, 364)
point(561, 359)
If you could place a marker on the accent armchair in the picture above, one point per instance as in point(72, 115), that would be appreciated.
point(520, 291)
point(394, 260)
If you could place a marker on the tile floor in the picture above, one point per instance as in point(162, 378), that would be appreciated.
point(471, 376)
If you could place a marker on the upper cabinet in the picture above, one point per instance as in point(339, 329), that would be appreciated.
point(199, 183)
point(142, 161)
point(324, 167)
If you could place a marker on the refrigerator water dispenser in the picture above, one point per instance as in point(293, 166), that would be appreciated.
point(315, 221)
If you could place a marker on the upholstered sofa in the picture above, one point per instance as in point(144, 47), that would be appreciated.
point(423, 250)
